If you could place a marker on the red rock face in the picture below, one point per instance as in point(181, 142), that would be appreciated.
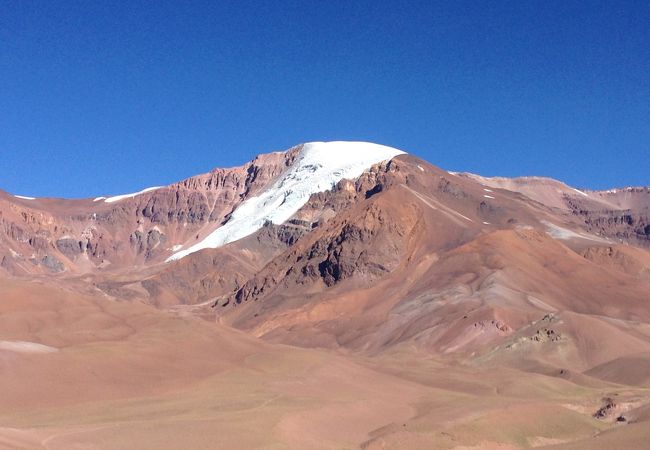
point(389, 257)
point(402, 252)
point(52, 236)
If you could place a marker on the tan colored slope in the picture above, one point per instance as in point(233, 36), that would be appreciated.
point(557, 194)
point(633, 198)
point(123, 375)
point(546, 191)
point(129, 376)
point(103, 349)
point(623, 258)
point(620, 214)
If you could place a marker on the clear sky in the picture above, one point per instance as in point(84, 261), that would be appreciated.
point(108, 97)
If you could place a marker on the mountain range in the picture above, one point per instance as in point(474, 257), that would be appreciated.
point(334, 295)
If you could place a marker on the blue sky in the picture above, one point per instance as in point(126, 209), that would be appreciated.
point(109, 97)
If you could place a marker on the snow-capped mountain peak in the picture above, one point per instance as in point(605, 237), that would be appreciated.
point(318, 167)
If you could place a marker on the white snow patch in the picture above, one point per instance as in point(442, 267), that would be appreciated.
point(488, 196)
point(625, 189)
point(318, 168)
point(488, 190)
point(99, 199)
point(117, 198)
point(177, 247)
point(25, 197)
point(559, 232)
point(26, 347)
point(486, 223)
point(421, 168)
point(580, 192)
point(14, 253)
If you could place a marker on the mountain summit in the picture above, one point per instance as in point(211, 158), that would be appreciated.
point(317, 167)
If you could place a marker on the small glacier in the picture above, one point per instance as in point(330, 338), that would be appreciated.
point(319, 166)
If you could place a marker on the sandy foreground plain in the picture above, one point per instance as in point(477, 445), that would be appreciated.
point(89, 372)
